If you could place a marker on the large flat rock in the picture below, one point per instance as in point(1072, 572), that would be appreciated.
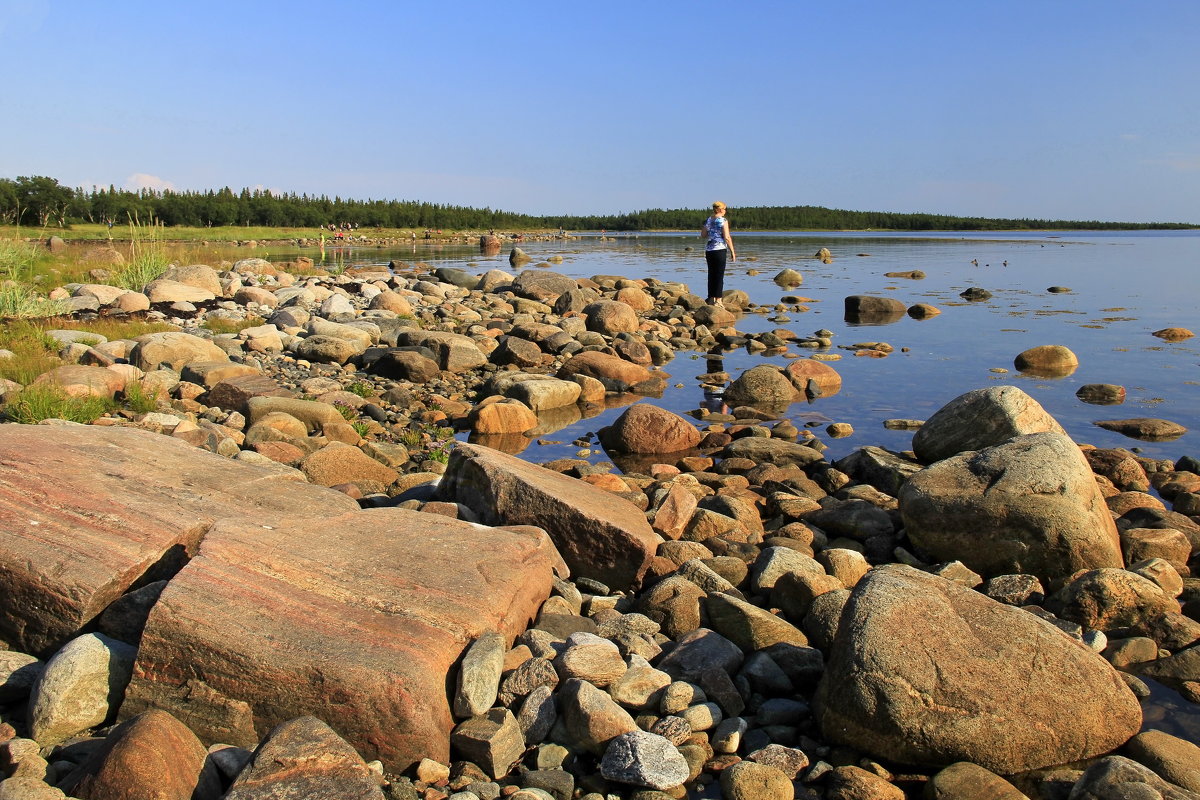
point(599, 535)
point(355, 619)
point(88, 512)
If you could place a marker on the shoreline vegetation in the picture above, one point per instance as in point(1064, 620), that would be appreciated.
point(41, 202)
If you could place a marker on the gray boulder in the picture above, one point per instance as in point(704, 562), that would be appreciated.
point(924, 671)
point(1030, 505)
point(978, 419)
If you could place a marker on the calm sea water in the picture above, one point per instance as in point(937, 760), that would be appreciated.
point(1123, 285)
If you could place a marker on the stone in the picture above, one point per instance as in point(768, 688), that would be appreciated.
point(639, 686)
point(80, 687)
point(506, 416)
point(152, 753)
point(1176, 670)
point(1173, 759)
point(1175, 334)
point(1103, 599)
point(339, 463)
point(855, 783)
point(125, 618)
point(314, 414)
point(18, 674)
point(89, 511)
point(455, 353)
point(591, 658)
point(923, 311)
point(305, 758)
point(610, 317)
point(598, 536)
point(1119, 466)
point(698, 651)
point(643, 759)
point(747, 780)
point(28, 788)
point(966, 781)
point(1101, 394)
point(542, 285)
point(537, 714)
point(200, 276)
point(174, 350)
point(969, 679)
point(765, 387)
point(1117, 778)
point(675, 604)
point(789, 760)
point(406, 365)
point(646, 428)
point(235, 393)
point(592, 718)
point(978, 419)
point(542, 395)
point(77, 380)
point(814, 378)
point(492, 740)
point(358, 617)
point(479, 676)
point(327, 349)
point(1047, 361)
point(167, 291)
point(615, 373)
point(1030, 505)
point(762, 450)
point(1147, 429)
point(864, 309)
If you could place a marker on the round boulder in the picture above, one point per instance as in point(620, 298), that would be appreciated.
point(610, 317)
point(1047, 361)
point(763, 386)
point(981, 418)
point(644, 428)
point(1030, 505)
point(924, 671)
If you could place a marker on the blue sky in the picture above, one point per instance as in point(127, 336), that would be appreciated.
point(1047, 109)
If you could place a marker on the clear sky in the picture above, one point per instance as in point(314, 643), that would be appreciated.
point(1028, 108)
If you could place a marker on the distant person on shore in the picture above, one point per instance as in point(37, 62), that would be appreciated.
point(718, 247)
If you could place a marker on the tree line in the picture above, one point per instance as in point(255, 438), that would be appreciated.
point(42, 201)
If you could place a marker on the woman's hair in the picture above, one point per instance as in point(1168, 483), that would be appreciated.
point(718, 206)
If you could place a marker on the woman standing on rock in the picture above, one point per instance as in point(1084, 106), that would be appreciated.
point(717, 247)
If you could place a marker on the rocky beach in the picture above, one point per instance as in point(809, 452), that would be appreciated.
point(292, 579)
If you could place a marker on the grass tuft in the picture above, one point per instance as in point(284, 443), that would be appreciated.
point(37, 403)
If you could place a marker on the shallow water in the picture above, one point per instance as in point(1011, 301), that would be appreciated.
point(1124, 286)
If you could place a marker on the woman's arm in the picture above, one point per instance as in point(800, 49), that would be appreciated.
point(704, 230)
point(728, 240)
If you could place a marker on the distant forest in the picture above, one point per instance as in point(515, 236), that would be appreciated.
point(41, 201)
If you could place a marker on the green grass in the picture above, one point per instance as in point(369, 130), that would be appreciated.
point(361, 388)
point(219, 325)
point(36, 403)
point(18, 270)
point(138, 401)
point(35, 353)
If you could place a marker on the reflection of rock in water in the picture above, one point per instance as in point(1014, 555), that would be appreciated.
point(555, 419)
point(512, 443)
point(625, 399)
point(641, 463)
